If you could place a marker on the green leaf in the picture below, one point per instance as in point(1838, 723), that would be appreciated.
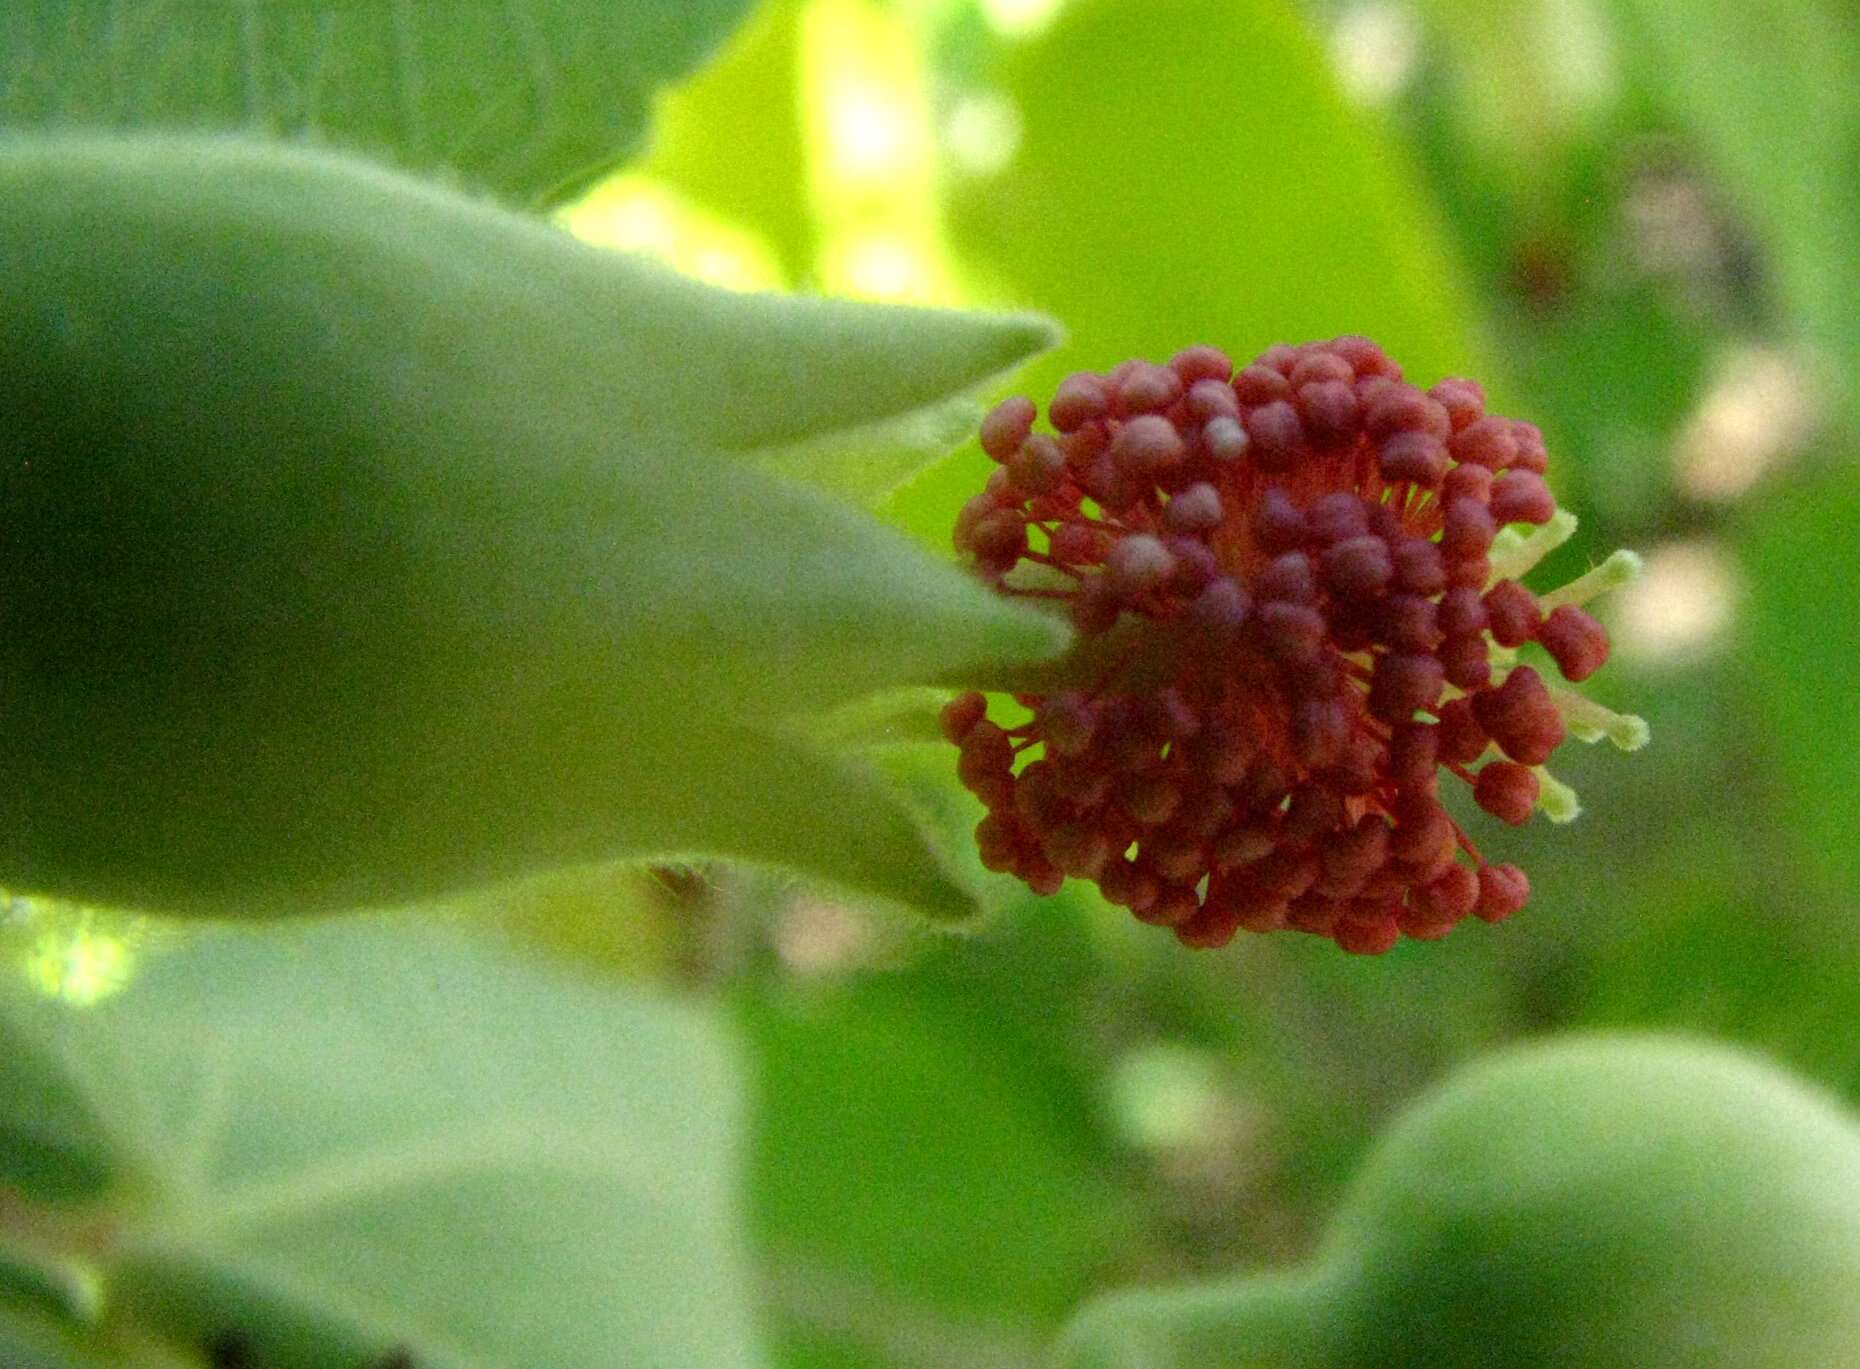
point(1227, 194)
point(930, 1182)
point(367, 542)
point(341, 1139)
point(530, 98)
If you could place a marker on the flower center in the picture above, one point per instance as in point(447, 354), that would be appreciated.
point(1298, 591)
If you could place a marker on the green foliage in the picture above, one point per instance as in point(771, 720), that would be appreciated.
point(367, 543)
point(300, 1138)
point(454, 573)
point(1593, 1202)
point(531, 98)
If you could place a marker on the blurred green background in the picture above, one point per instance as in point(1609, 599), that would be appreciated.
point(1637, 221)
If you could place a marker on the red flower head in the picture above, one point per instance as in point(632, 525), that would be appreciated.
point(1299, 589)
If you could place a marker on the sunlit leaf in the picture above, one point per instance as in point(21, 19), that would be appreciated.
point(337, 1141)
point(367, 542)
point(1187, 172)
point(529, 98)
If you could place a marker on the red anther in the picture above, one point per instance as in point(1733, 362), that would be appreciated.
point(1296, 570)
point(1321, 366)
point(1320, 729)
point(997, 840)
point(1359, 568)
point(1508, 791)
point(1173, 906)
point(1532, 455)
point(1463, 612)
point(1080, 399)
point(1521, 717)
point(1138, 563)
point(1277, 437)
point(1173, 857)
point(1417, 457)
point(1195, 563)
point(1359, 767)
point(1222, 752)
point(1408, 622)
point(1315, 913)
point(999, 540)
point(1202, 363)
point(1467, 482)
point(1211, 399)
point(1472, 572)
point(1414, 752)
point(1167, 716)
point(1038, 801)
point(1288, 631)
point(1146, 446)
point(1330, 411)
point(1402, 408)
point(1522, 497)
point(1489, 442)
point(1467, 531)
point(1242, 845)
point(973, 512)
point(1068, 721)
point(1007, 426)
point(1079, 850)
point(1366, 358)
point(1197, 509)
point(1290, 578)
point(1421, 926)
point(1367, 936)
point(1449, 898)
point(1038, 466)
point(1351, 855)
point(1204, 814)
point(986, 761)
point(959, 716)
point(1261, 385)
point(1462, 739)
point(1078, 544)
point(1419, 566)
point(1284, 872)
point(1513, 613)
point(1576, 642)
point(1095, 607)
point(1503, 890)
point(1225, 440)
point(1278, 524)
point(1117, 882)
point(1337, 517)
point(1219, 613)
point(1464, 401)
point(1146, 389)
point(1210, 929)
point(1404, 683)
point(1467, 661)
point(1041, 875)
point(1313, 810)
point(1084, 446)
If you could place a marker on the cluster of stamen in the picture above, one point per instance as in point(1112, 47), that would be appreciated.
point(1298, 591)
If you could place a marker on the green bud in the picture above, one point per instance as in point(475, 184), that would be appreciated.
point(364, 541)
point(1593, 1203)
